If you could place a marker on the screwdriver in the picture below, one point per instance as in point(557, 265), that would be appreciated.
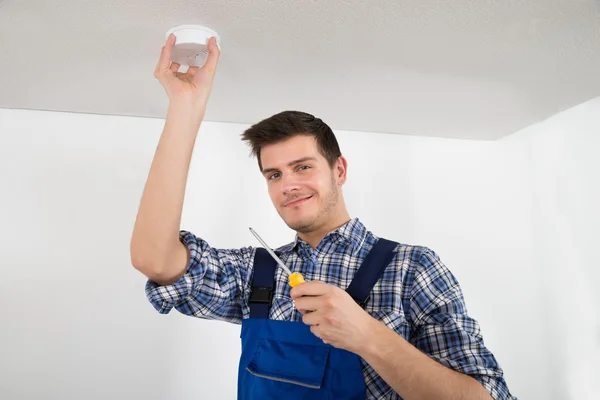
point(295, 278)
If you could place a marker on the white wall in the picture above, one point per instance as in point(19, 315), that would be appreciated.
point(75, 320)
point(563, 173)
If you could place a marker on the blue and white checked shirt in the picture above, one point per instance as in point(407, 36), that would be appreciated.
point(417, 296)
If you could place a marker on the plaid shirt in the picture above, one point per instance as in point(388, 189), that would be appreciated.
point(417, 296)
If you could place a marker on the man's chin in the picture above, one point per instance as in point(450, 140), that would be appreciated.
point(300, 224)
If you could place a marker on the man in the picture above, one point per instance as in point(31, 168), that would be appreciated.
point(375, 319)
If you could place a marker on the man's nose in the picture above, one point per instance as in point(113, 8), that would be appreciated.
point(289, 184)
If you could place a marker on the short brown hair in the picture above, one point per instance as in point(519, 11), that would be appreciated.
point(288, 124)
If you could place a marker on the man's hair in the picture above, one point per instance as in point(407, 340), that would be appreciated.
point(288, 124)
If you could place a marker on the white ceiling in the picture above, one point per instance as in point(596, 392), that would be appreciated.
point(462, 68)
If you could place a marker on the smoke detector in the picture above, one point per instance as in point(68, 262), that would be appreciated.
point(191, 43)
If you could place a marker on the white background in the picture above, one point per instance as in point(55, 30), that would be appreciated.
point(516, 220)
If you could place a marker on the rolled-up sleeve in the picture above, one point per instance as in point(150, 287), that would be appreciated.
point(214, 286)
point(443, 329)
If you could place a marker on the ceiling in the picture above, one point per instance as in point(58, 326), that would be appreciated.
point(466, 69)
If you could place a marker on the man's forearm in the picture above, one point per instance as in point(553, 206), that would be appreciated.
point(411, 373)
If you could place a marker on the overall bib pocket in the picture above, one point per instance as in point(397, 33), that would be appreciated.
point(290, 363)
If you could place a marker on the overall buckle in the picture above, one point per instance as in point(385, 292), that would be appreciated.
point(261, 295)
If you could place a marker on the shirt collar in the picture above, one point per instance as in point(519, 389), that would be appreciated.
point(352, 232)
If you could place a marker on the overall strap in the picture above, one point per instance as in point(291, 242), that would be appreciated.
point(263, 284)
point(371, 270)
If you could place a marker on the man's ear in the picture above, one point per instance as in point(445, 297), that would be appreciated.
point(341, 169)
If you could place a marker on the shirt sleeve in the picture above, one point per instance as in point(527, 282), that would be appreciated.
point(214, 286)
point(443, 329)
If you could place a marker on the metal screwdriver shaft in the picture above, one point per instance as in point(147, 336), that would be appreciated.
point(281, 264)
point(294, 278)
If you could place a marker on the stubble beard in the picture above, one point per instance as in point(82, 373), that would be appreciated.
point(311, 223)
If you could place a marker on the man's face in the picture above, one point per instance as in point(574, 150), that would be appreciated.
point(303, 188)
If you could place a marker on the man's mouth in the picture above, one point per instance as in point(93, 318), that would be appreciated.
point(297, 202)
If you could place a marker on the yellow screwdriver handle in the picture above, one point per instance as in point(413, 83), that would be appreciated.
point(296, 278)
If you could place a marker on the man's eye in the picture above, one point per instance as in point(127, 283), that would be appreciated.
point(304, 166)
point(273, 176)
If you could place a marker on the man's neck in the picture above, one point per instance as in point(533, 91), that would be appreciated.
point(313, 238)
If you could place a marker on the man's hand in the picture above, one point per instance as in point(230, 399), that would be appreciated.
point(333, 315)
point(335, 318)
point(194, 85)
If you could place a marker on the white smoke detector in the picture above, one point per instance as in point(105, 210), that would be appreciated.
point(191, 43)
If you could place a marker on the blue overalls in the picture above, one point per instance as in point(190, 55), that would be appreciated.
point(284, 359)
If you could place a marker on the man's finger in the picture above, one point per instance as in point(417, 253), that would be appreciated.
point(311, 288)
point(175, 67)
point(213, 56)
point(165, 55)
point(307, 303)
point(312, 319)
